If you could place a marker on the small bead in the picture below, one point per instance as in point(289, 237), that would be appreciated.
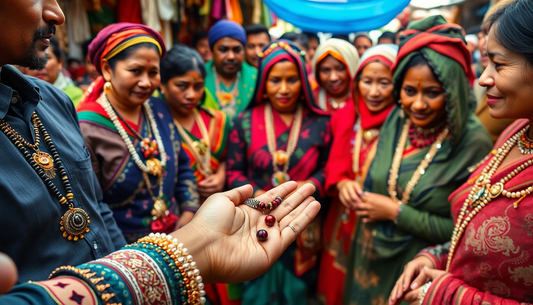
point(262, 235)
point(270, 220)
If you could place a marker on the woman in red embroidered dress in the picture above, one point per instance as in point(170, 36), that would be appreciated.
point(489, 259)
point(355, 130)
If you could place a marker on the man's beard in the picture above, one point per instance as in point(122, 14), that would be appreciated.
point(32, 60)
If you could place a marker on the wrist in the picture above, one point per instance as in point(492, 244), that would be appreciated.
point(197, 243)
point(395, 216)
point(341, 184)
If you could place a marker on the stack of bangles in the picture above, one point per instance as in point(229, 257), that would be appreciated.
point(270, 220)
point(154, 270)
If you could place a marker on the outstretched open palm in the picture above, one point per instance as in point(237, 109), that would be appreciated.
point(226, 228)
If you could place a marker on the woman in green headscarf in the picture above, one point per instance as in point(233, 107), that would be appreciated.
point(424, 151)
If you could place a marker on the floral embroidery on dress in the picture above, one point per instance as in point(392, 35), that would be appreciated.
point(484, 270)
point(366, 279)
point(498, 288)
point(528, 225)
point(525, 273)
point(491, 237)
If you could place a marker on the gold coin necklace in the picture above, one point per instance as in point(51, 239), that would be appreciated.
point(75, 222)
point(150, 148)
point(421, 169)
point(483, 191)
point(200, 149)
point(281, 157)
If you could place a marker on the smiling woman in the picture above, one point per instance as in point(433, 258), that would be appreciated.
point(283, 135)
point(135, 148)
point(423, 153)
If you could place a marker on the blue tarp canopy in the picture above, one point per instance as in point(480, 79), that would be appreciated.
point(337, 16)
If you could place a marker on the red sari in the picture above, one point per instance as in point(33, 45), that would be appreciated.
point(493, 263)
point(339, 228)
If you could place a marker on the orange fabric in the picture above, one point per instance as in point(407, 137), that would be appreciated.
point(335, 55)
point(118, 38)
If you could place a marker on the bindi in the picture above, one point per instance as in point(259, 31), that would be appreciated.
point(419, 79)
point(195, 76)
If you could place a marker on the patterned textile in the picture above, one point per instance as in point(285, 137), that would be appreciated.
point(381, 249)
point(121, 179)
point(492, 263)
point(249, 161)
point(339, 228)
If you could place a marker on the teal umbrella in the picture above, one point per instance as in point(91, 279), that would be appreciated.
point(337, 16)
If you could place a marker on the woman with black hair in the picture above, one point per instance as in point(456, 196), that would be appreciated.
point(135, 147)
point(423, 153)
point(488, 260)
point(204, 132)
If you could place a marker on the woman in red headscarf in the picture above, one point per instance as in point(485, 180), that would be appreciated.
point(355, 131)
point(135, 147)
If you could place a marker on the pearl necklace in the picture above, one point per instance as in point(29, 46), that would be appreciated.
point(421, 170)
point(483, 192)
point(135, 156)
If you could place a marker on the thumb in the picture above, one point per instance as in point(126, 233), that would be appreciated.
point(432, 273)
point(239, 194)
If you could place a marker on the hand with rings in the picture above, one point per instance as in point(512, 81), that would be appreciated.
point(233, 246)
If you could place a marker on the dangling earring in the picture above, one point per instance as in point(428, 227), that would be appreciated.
point(402, 112)
point(108, 87)
point(265, 96)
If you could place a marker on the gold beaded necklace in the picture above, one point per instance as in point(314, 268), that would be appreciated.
point(280, 157)
point(421, 170)
point(483, 192)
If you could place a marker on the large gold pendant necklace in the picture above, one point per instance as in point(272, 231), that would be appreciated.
point(280, 157)
point(150, 150)
point(75, 222)
point(483, 192)
point(200, 149)
point(421, 170)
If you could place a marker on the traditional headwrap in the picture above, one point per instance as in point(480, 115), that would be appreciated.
point(385, 54)
point(112, 40)
point(442, 44)
point(341, 50)
point(226, 28)
point(274, 53)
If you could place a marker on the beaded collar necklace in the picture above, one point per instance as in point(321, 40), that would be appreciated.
point(483, 191)
point(421, 169)
point(280, 157)
point(153, 166)
point(75, 222)
point(422, 137)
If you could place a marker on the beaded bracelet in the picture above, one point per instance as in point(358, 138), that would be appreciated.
point(184, 262)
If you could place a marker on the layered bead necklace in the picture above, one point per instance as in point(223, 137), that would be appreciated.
point(75, 222)
point(368, 136)
point(422, 137)
point(483, 192)
point(421, 169)
point(200, 149)
point(150, 150)
point(280, 157)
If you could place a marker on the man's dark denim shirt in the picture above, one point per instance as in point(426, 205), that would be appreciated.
point(29, 213)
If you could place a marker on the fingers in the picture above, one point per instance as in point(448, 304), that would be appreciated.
point(412, 296)
point(239, 194)
point(292, 202)
point(282, 191)
point(299, 223)
point(355, 192)
point(421, 279)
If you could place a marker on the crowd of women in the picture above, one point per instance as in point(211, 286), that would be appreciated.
point(418, 206)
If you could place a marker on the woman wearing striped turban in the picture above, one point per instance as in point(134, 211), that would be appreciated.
point(135, 147)
point(355, 130)
point(334, 66)
point(424, 150)
point(283, 135)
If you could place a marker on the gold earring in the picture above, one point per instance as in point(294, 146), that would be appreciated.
point(108, 87)
point(402, 112)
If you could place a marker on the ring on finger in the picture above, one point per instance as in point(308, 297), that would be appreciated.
point(293, 229)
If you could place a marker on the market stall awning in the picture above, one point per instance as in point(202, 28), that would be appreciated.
point(425, 4)
point(337, 16)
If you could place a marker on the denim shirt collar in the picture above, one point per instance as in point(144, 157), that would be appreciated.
point(12, 80)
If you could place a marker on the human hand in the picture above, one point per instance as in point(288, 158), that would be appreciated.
point(212, 184)
point(427, 274)
point(376, 207)
point(405, 283)
point(349, 193)
point(222, 235)
point(8, 273)
point(184, 219)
